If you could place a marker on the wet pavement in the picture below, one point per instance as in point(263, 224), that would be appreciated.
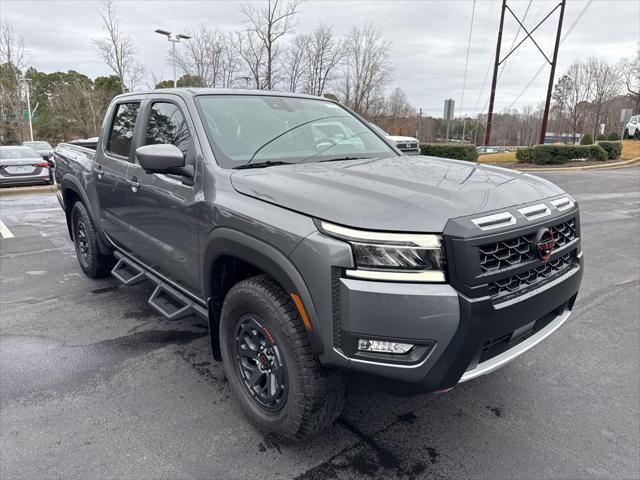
point(94, 384)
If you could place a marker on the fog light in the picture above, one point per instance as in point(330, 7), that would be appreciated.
point(380, 346)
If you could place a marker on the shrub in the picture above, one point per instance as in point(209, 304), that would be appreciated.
point(558, 154)
point(596, 152)
point(601, 137)
point(613, 149)
point(613, 137)
point(525, 155)
point(447, 150)
point(586, 139)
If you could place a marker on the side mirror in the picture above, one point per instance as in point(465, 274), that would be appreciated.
point(162, 157)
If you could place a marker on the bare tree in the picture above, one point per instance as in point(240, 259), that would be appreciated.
point(367, 70)
point(296, 63)
point(605, 85)
point(579, 90)
point(249, 47)
point(229, 63)
point(270, 23)
point(13, 58)
point(201, 57)
point(630, 69)
point(12, 51)
point(116, 50)
point(324, 53)
point(399, 112)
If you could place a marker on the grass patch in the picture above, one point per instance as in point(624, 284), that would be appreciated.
point(630, 149)
point(498, 157)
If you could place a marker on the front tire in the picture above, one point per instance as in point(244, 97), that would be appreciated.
point(271, 368)
point(85, 240)
point(625, 134)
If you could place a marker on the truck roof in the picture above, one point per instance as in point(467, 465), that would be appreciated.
point(192, 92)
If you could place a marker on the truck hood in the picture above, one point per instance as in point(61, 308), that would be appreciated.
point(418, 194)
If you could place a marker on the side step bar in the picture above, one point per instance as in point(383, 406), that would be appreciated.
point(168, 301)
point(127, 273)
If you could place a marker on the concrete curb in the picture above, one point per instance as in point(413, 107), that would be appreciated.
point(8, 191)
point(626, 163)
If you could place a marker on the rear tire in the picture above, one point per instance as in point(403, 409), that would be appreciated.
point(85, 239)
point(636, 135)
point(306, 397)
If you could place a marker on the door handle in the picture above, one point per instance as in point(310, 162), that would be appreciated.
point(99, 172)
point(133, 183)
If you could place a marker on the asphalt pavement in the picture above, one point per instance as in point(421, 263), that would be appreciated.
point(94, 384)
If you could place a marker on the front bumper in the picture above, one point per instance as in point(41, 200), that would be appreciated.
point(468, 337)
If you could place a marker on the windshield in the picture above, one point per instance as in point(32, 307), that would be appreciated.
point(245, 129)
point(18, 152)
point(38, 145)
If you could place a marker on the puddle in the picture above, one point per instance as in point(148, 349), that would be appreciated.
point(33, 364)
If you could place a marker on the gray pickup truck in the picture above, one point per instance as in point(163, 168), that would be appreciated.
point(313, 247)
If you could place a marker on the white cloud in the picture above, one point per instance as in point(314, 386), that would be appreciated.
point(429, 38)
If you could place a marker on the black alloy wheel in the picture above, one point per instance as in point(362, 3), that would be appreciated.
point(83, 241)
point(260, 363)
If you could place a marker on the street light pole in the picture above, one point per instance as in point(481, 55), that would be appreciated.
point(173, 56)
point(26, 81)
point(173, 39)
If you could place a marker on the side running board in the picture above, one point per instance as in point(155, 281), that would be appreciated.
point(168, 301)
point(126, 272)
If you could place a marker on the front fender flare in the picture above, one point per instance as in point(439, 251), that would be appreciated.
point(228, 242)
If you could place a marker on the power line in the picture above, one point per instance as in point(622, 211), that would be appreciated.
point(533, 79)
point(466, 67)
point(486, 73)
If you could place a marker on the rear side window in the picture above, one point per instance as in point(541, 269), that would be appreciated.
point(167, 125)
point(122, 129)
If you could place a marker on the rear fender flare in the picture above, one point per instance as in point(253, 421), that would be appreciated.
point(69, 182)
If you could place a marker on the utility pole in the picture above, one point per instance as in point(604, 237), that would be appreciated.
point(27, 81)
point(547, 105)
point(498, 61)
point(419, 129)
point(494, 81)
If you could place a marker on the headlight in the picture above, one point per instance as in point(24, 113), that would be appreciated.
point(392, 256)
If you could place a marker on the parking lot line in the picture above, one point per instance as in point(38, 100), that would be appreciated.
point(4, 230)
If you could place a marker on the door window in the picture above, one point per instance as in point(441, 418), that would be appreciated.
point(167, 125)
point(121, 131)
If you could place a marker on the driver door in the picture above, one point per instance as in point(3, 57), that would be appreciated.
point(163, 207)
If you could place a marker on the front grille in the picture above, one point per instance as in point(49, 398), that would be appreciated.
point(517, 284)
point(508, 253)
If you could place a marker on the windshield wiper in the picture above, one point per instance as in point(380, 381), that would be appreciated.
point(337, 159)
point(268, 163)
point(261, 147)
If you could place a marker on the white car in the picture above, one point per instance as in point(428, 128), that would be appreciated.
point(632, 129)
point(408, 145)
point(22, 166)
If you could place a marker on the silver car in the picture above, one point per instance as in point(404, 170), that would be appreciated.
point(22, 166)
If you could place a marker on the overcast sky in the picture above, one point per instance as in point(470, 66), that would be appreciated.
point(429, 39)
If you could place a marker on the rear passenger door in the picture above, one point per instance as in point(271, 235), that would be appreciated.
point(163, 208)
point(110, 173)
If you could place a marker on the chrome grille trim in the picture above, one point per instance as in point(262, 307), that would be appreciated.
point(494, 221)
point(562, 203)
point(535, 211)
